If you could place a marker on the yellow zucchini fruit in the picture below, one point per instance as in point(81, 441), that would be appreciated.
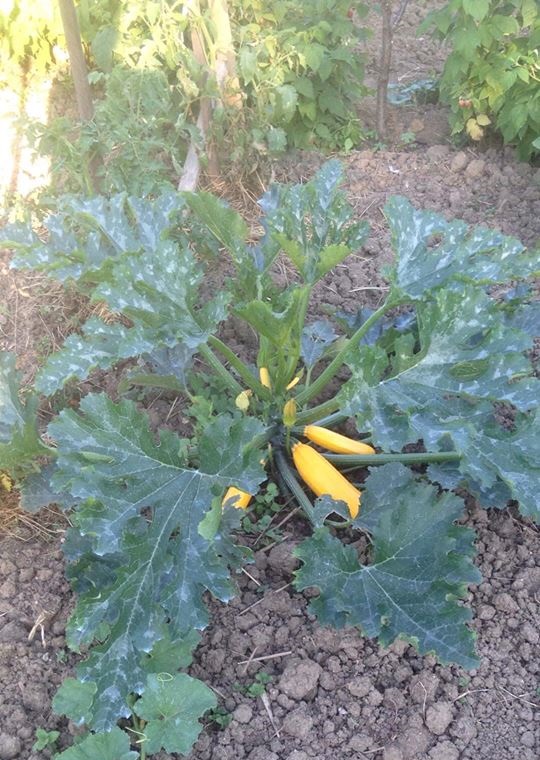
point(264, 377)
point(242, 498)
point(323, 478)
point(336, 442)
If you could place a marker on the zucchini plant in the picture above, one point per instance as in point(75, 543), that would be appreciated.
point(155, 517)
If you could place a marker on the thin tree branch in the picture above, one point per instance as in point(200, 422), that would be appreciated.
point(398, 15)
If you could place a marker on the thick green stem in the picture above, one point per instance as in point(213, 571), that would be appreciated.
point(301, 319)
point(323, 414)
point(220, 369)
point(240, 367)
point(335, 365)
point(371, 459)
point(293, 485)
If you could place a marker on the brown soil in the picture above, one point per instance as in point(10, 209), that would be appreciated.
point(330, 693)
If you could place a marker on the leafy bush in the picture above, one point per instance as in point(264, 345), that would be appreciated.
point(29, 30)
point(493, 71)
point(300, 72)
point(136, 141)
point(152, 531)
point(300, 78)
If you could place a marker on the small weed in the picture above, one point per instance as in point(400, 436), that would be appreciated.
point(259, 520)
point(407, 138)
point(44, 347)
point(45, 739)
point(257, 688)
point(220, 717)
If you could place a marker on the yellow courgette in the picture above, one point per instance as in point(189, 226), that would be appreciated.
point(336, 442)
point(323, 478)
point(242, 498)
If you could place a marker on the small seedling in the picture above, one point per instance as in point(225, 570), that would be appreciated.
point(258, 687)
point(407, 138)
point(45, 739)
point(220, 717)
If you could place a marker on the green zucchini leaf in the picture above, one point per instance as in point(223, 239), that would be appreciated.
point(20, 441)
point(417, 576)
point(113, 745)
point(469, 359)
point(141, 564)
point(432, 252)
point(171, 706)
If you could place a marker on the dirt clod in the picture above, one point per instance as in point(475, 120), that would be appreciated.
point(459, 162)
point(281, 558)
point(475, 169)
point(10, 747)
point(299, 680)
point(243, 714)
point(438, 717)
point(298, 723)
point(444, 751)
point(505, 603)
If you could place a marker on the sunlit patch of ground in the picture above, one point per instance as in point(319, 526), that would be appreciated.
point(21, 170)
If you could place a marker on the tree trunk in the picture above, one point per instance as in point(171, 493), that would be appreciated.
point(385, 60)
point(191, 170)
point(389, 24)
point(225, 60)
point(79, 72)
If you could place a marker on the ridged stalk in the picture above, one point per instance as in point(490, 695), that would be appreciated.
point(333, 368)
point(293, 485)
point(240, 367)
point(373, 459)
point(220, 369)
point(320, 413)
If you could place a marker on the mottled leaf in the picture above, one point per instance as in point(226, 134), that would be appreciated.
point(432, 252)
point(314, 224)
point(168, 655)
point(161, 297)
point(148, 565)
point(37, 491)
point(316, 337)
point(84, 235)
point(19, 438)
point(161, 293)
point(469, 358)
point(101, 345)
point(420, 566)
point(526, 317)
